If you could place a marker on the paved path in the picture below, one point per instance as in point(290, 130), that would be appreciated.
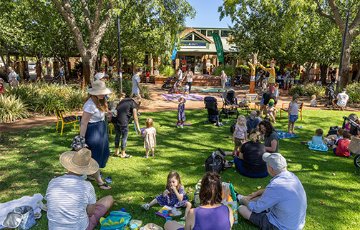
point(156, 103)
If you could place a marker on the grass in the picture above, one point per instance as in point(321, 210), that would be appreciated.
point(29, 160)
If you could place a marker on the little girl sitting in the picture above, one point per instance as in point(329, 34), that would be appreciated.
point(313, 102)
point(149, 135)
point(240, 133)
point(173, 196)
point(317, 141)
point(181, 112)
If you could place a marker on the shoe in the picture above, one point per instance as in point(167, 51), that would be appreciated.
point(104, 186)
point(238, 197)
point(108, 180)
point(145, 206)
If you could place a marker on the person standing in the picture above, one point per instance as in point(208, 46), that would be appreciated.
point(135, 90)
point(71, 200)
point(342, 99)
point(13, 78)
point(62, 75)
point(282, 204)
point(93, 127)
point(223, 78)
point(126, 109)
point(189, 78)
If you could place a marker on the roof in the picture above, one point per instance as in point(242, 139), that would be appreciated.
point(187, 31)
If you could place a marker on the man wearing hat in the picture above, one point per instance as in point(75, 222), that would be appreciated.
point(71, 200)
point(282, 204)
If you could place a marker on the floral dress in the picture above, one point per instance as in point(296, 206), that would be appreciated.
point(172, 200)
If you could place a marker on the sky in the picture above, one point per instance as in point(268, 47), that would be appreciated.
point(207, 15)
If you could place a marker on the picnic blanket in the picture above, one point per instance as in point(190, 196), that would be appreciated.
point(212, 90)
point(175, 97)
point(321, 148)
point(285, 135)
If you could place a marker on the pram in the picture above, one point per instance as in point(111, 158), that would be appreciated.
point(230, 105)
point(213, 112)
point(167, 83)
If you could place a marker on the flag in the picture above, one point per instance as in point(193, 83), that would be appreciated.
point(219, 47)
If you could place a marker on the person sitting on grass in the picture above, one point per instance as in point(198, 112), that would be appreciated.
point(282, 204)
point(271, 138)
point(249, 161)
point(253, 121)
point(71, 200)
point(211, 214)
point(173, 196)
point(293, 112)
point(313, 102)
point(331, 140)
point(341, 148)
point(318, 139)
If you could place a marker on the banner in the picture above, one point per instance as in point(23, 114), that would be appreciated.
point(219, 47)
point(174, 52)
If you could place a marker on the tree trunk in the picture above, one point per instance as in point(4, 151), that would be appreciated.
point(89, 68)
point(357, 77)
point(323, 73)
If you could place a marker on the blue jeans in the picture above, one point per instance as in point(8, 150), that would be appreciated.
point(121, 132)
point(239, 165)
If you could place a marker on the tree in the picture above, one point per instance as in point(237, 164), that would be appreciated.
point(88, 21)
point(336, 11)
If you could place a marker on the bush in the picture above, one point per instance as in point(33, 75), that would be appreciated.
point(353, 91)
point(11, 109)
point(167, 71)
point(229, 70)
point(46, 98)
point(308, 90)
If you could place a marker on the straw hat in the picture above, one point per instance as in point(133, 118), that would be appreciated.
point(79, 162)
point(99, 88)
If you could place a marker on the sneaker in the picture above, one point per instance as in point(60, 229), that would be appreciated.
point(238, 197)
point(108, 180)
point(145, 206)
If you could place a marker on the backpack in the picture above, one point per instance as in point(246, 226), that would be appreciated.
point(215, 162)
point(333, 130)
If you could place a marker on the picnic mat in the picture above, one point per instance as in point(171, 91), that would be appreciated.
point(175, 97)
point(212, 90)
point(285, 135)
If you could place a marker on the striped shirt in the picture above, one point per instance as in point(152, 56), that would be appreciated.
point(67, 199)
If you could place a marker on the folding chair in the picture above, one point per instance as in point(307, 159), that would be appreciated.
point(64, 120)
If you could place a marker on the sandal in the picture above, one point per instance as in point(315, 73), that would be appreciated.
point(104, 186)
point(126, 156)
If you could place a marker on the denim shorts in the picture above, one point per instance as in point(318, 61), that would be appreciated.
point(293, 118)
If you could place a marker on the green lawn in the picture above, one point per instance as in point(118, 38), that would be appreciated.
point(29, 160)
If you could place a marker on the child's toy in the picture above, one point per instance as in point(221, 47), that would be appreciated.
point(164, 212)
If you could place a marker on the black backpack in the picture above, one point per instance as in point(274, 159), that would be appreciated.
point(333, 130)
point(215, 162)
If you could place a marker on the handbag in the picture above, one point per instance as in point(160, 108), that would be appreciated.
point(21, 217)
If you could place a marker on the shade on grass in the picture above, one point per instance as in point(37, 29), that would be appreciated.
point(29, 160)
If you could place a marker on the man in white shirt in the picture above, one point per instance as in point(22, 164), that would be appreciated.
point(135, 91)
point(71, 200)
point(342, 99)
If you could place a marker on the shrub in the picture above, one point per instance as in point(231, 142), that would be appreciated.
point(307, 90)
point(229, 70)
point(353, 91)
point(167, 71)
point(46, 98)
point(11, 109)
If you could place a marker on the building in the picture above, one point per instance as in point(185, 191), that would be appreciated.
point(197, 49)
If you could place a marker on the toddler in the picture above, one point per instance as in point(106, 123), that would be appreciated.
point(333, 139)
point(293, 111)
point(318, 138)
point(181, 112)
point(341, 148)
point(173, 196)
point(271, 110)
point(149, 135)
point(313, 102)
point(240, 133)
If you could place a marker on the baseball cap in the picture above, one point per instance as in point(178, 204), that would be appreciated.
point(275, 160)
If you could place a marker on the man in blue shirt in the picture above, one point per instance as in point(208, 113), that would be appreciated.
point(282, 204)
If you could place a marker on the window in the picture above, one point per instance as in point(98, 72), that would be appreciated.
point(197, 38)
point(209, 33)
point(203, 32)
point(225, 33)
point(188, 37)
point(216, 32)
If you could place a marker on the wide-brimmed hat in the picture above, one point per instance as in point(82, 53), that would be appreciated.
point(79, 162)
point(99, 88)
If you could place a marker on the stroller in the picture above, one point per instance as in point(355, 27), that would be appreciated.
point(230, 105)
point(213, 112)
point(167, 83)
